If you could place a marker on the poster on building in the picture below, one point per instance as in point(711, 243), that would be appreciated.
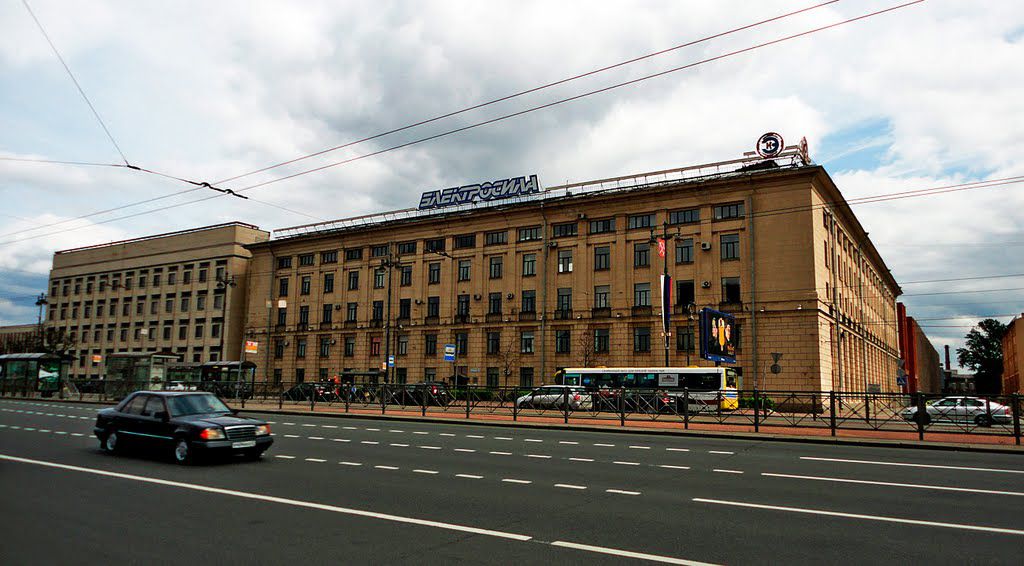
point(48, 376)
point(717, 331)
point(252, 347)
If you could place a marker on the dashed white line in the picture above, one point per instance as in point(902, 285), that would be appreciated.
point(316, 438)
point(532, 440)
point(626, 463)
point(895, 484)
point(29, 428)
point(570, 486)
point(307, 424)
point(473, 436)
point(341, 440)
point(318, 460)
point(640, 447)
point(425, 471)
point(430, 447)
point(395, 430)
point(348, 427)
point(544, 456)
point(908, 464)
point(469, 476)
point(720, 452)
point(386, 467)
point(374, 429)
point(671, 467)
point(446, 434)
point(343, 463)
point(603, 445)
point(723, 471)
point(420, 432)
point(502, 438)
point(622, 492)
point(328, 426)
point(464, 450)
point(581, 459)
point(292, 436)
point(368, 442)
point(44, 430)
point(627, 553)
point(284, 457)
point(77, 434)
point(511, 480)
point(399, 445)
point(500, 453)
point(60, 432)
point(567, 442)
point(677, 449)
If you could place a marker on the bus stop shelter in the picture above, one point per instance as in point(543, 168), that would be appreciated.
point(28, 374)
point(133, 371)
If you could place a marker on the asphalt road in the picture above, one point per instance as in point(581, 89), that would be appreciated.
point(386, 492)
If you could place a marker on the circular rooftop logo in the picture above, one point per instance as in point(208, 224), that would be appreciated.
point(770, 145)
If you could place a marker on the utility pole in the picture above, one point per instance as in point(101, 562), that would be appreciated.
point(224, 283)
point(666, 285)
point(40, 302)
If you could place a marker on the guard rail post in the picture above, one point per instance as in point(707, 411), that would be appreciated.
point(280, 396)
point(565, 404)
point(382, 394)
point(423, 400)
point(467, 400)
point(867, 408)
point(686, 408)
point(920, 415)
point(312, 399)
point(622, 407)
point(832, 411)
point(1016, 418)
point(515, 405)
point(757, 403)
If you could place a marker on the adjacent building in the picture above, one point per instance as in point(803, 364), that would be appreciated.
point(19, 338)
point(570, 277)
point(181, 292)
point(1013, 356)
point(922, 365)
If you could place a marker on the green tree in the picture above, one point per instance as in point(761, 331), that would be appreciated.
point(983, 354)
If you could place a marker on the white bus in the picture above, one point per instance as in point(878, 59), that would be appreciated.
point(708, 388)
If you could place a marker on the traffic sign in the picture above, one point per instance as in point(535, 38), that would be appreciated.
point(776, 368)
point(449, 352)
point(252, 347)
point(391, 361)
point(901, 380)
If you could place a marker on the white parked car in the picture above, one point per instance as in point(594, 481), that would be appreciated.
point(556, 397)
point(961, 409)
point(179, 386)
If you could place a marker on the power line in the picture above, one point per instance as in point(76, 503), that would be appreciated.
point(968, 291)
point(963, 278)
point(74, 80)
point(58, 162)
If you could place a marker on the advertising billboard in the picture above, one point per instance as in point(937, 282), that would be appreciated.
point(717, 331)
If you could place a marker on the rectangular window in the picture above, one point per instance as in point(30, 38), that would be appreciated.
point(688, 216)
point(325, 346)
point(375, 346)
point(495, 267)
point(154, 306)
point(378, 311)
point(465, 266)
point(565, 261)
point(684, 251)
point(403, 345)
point(378, 277)
point(404, 309)
point(304, 285)
point(202, 277)
point(492, 377)
point(200, 304)
point(526, 342)
point(641, 255)
point(684, 339)
point(493, 342)
point(353, 280)
point(462, 305)
point(350, 346)
point(380, 250)
point(433, 306)
point(182, 332)
point(642, 294)
point(433, 273)
point(602, 258)
point(495, 238)
point(327, 315)
point(602, 226)
point(726, 211)
point(526, 377)
point(156, 279)
point(494, 303)
point(353, 254)
point(529, 301)
point(461, 343)
point(184, 305)
point(436, 245)
point(304, 315)
point(529, 264)
point(465, 241)
point(282, 287)
point(142, 283)
point(405, 275)
point(282, 263)
point(329, 257)
point(530, 234)
point(328, 283)
point(642, 339)
point(407, 248)
point(306, 259)
point(430, 344)
point(278, 349)
point(140, 305)
point(602, 340)
point(601, 297)
point(565, 299)
point(351, 311)
point(685, 292)
point(562, 341)
point(564, 230)
point(172, 277)
point(300, 375)
point(282, 316)
point(641, 221)
point(731, 289)
point(730, 246)
point(300, 348)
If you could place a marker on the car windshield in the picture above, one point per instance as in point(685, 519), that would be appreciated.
point(196, 405)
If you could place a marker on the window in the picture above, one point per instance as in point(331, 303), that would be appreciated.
point(329, 257)
point(731, 289)
point(182, 332)
point(402, 348)
point(328, 283)
point(154, 306)
point(465, 241)
point(404, 308)
point(142, 283)
point(562, 341)
point(565, 299)
point(434, 245)
point(282, 287)
point(493, 342)
point(684, 251)
point(327, 314)
point(350, 312)
point(494, 303)
point(199, 331)
point(462, 308)
point(602, 258)
point(529, 264)
point(641, 255)
point(602, 340)
point(172, 277)
point(641, 221)
point(461, 343)
point(526, 377)
point(353, 280)
point(184, 304)
point(730, 245)
point(642, 294)
point(325, 346)
point(282, 263)
point(300, 348)
point(304, 285)
point(350, 346)
point(601, 300)
point(186, 277)
point(378, 310)
point(602, 226)
point(353, 254)
point(684, 339)
point(430, 344)
point(407, 248)
point(375, 346)
point(433, 306)
point(278, 374)
point(200, 304)
point(282, 315)
point(405, 275)
point(565, 261)
point(378, 278)
point(495, 267)
point(494, 238)
point(300, 375)
point(380, 250)
point(202, 277)
point(430, 374)
point(433, 273)
point(529, 234)
point(464, 269)
point(642, 339)
point(526, 342)
point(140, 305)
point(564, 230)
point(492, 377)
point(278, 349)
point(529, 301)
point(688, 216)
point(304, 315)
point(726, 211)
point(156, 279)
point(685, 292)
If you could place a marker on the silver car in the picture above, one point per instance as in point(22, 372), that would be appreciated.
point(556, 397)
point(961, 409)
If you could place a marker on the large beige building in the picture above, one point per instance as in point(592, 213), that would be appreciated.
point(570, 277)
point(182, 292)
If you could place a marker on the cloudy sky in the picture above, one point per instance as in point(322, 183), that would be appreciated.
point(925, 96)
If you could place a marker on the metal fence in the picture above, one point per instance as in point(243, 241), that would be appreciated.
point(921, 414)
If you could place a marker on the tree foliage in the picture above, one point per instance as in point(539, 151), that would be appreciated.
point(983, 354)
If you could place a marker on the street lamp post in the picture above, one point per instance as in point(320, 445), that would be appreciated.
point(225, 282)
point(664, 240)
point(40, 302)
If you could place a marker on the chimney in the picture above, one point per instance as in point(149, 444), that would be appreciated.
point(947, 357)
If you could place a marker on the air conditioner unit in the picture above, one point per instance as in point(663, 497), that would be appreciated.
point(552, 244)
point(705, 246)
point(419, 301)
point(705, 284)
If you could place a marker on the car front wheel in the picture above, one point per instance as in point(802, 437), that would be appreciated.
point(182, 452)
point(110, 442)
point(983, 420)
point(922, 418)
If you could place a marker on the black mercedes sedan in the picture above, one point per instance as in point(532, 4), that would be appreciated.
point(187, 423)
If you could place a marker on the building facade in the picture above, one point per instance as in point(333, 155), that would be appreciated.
point(570, 277)
point(19, 338)
point(924, 372)
point(1013, 356)
point(181, 292)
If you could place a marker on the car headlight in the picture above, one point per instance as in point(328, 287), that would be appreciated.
point(211, 434)
point(262, 430)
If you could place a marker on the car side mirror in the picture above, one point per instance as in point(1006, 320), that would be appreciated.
point(163, 416)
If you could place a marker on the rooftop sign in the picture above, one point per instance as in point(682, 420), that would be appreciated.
point(506, 188)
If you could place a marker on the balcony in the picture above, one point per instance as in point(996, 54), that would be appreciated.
point(432, 320)
point(601, 312)
point(531, 315)
point(325, 325)
point(563, 314)
point(642, 311)
point(377, 323)
point(461, 318)
point(493, 317)
point(350, 324)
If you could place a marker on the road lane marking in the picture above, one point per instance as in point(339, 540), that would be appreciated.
point(720, 452)
point(316, 438)
point(446, 434)
point(532, 440)
point(15, 427)
point(386, 467)
point(341, 440)
point(511, 480)
point(896, 484)
point(292, 436)
point(473, 436)
point(347, 427)
point(604, 445)
point(502, 438)
point(368, 442)
point(865, 517)
point(284, 457)
point(911, 465)
point(328, 426)
point(570, 486)
point(469, 476)
point(722, 471)
point(627, 553)
point(77, 434)
point(289, 424)
point(581, 459)
point(343, 463)
point(641, 447)
point(545, 456)
point(430, 447)
point(626, 463)
point(677, 449)
point(622, 492)
point(44, 430)
point(420, 432)
point(671, 467)
point(399, 445)
point(374, 429)
point(307, 424)
point(318, 460)
point(395, 430)
point(29, 428)
point(500, 453)
point(464, 450)
point(425, 471)
point(59, 432)
point(567, 442)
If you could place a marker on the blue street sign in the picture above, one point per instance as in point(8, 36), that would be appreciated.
point(449, 352)
point(391, 361)
point(901, 381)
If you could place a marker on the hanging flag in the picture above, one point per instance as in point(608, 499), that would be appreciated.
point(666, 303)
point(661, 247)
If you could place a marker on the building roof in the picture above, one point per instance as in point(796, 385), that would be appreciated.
point(157, 236)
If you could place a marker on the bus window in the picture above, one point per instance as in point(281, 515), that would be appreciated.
point(648, 380)
point(629, 380)
point(570, 379)
point(704, 381)
point(730, 378)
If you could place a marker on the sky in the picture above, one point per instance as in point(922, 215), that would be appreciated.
point(925, 96)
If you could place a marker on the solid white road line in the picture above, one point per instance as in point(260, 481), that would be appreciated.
point(570, 486)
point(908, 464)
point(622, 492)
point(284, 457)
point(469, 476)
point(273, 499)
point(721, 471)
point(510, 480)
point(720, 452)
point(671, 467)
point(581, 459)
point(677, 449)
point(627, 553)
point(865, 517)
point(895, 484)
point(425, 471)
point(318, 460)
